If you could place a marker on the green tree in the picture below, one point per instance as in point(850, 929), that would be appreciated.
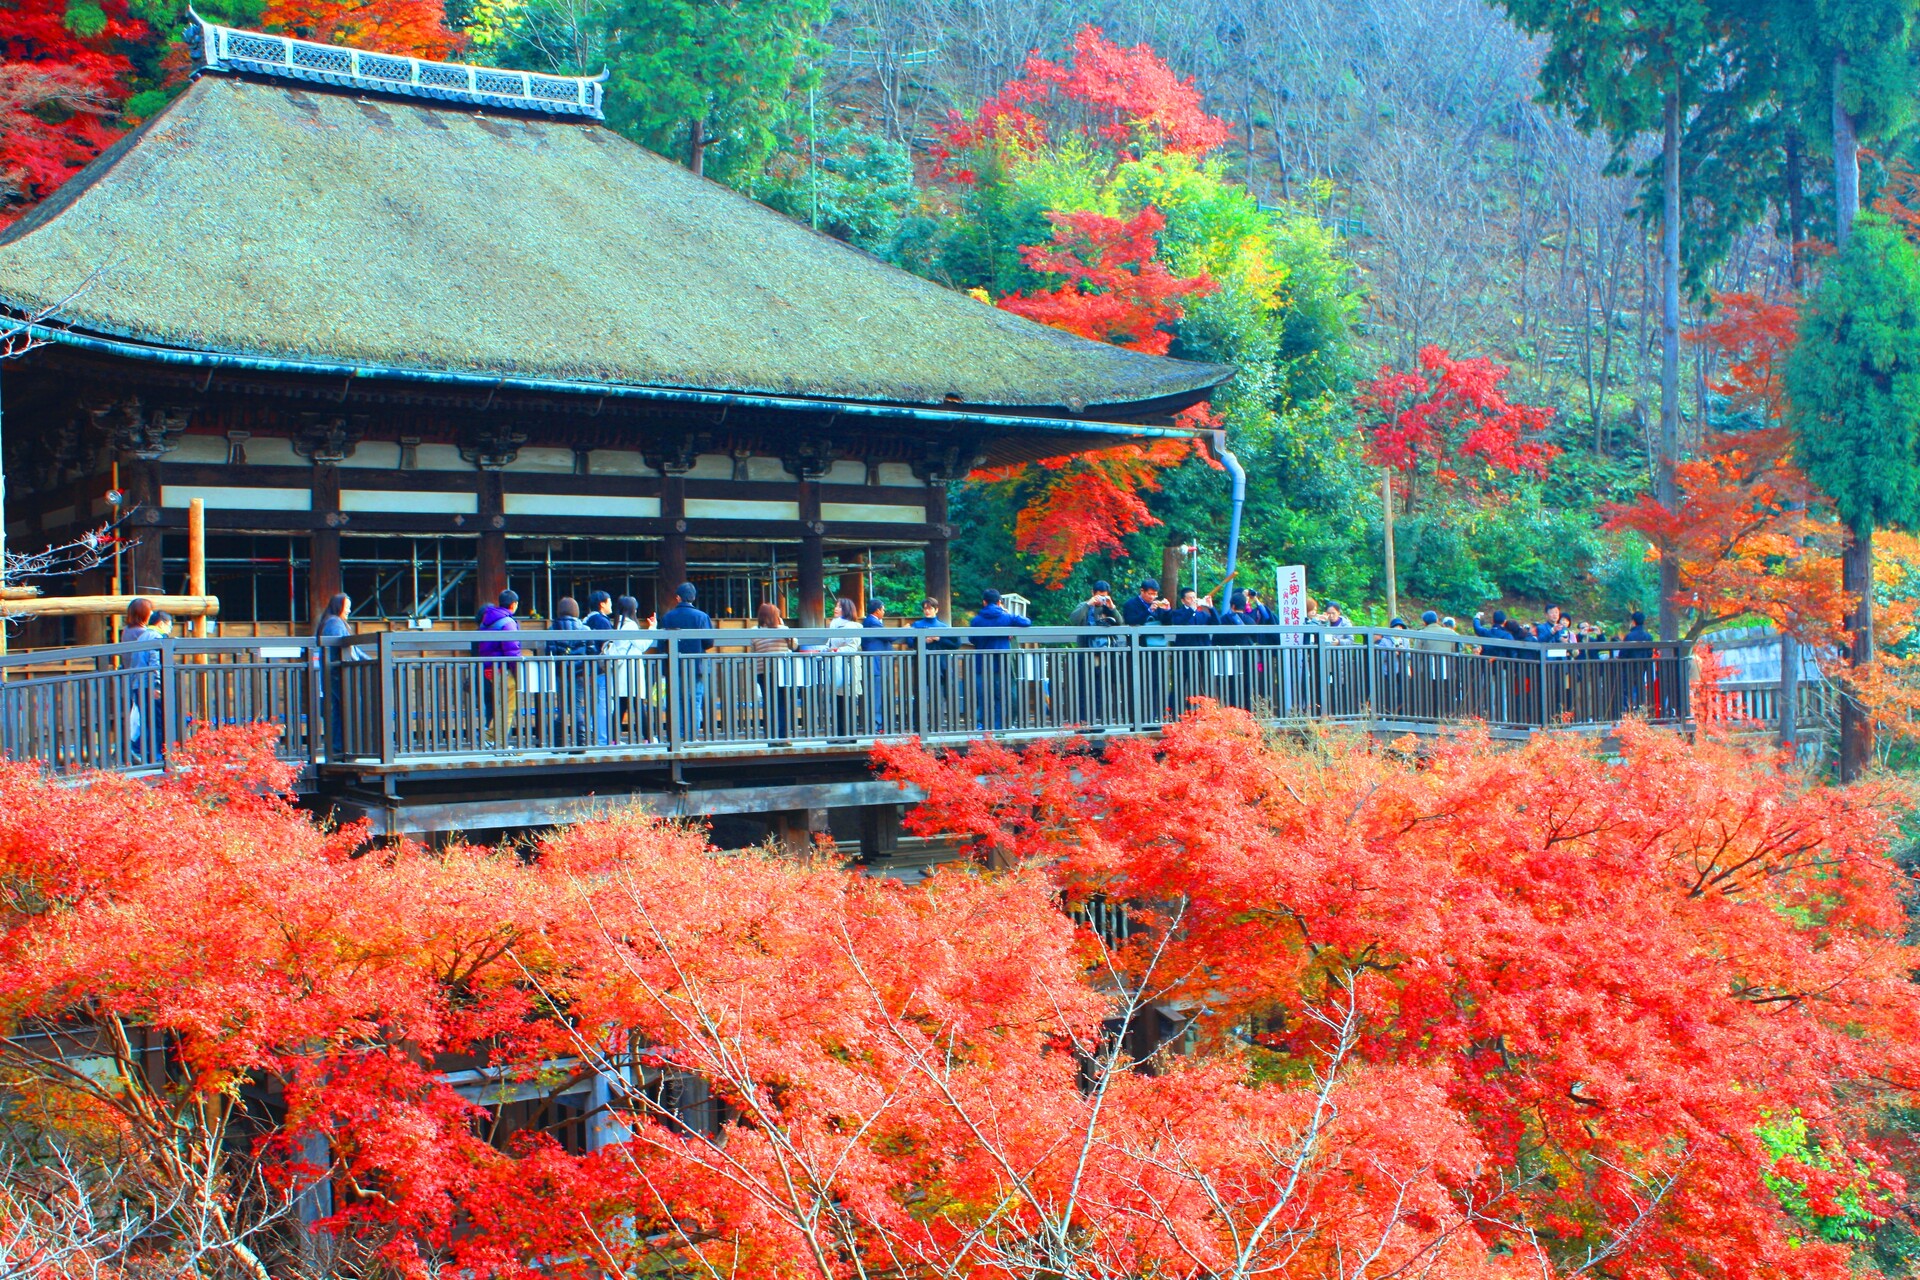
point(704, 80)
point(1632, 67)
point(1853, 383)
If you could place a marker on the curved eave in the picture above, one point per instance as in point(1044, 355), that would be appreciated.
point(1010, 421)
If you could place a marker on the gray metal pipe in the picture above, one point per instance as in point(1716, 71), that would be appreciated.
point(1239, 475)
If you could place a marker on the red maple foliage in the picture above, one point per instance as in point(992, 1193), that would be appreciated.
point(1751, 535)
point(1125, 100)
point(1088, 503)
point(1583, 985)
point(60, 93)
point(1116, 290)
point(414, 27)
point(1454, 1014)
point(1449, 414)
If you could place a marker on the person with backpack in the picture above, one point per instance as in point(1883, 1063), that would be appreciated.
point(502, 672)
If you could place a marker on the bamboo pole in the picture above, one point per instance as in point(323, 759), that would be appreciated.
point(93, 606)
point(1386, 507)
point(19, 593)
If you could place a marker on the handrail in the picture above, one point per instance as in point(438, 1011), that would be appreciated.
point(412, 699)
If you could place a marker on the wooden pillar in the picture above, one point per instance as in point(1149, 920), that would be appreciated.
point(323, 554)
point(879, 830)
point(853, 585)
point(490, 569)
point(813, 558)
point(939, 573)
point(673, 547)
point(142, 565)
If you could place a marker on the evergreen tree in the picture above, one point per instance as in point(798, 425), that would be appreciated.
point(1853, 382)
point(693, 74)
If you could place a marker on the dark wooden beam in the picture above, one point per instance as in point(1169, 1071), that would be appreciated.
point(813, 558)
point(490, 572)
point(323, 556)
point(495, 815)
point(673, 546)
point(939, 559)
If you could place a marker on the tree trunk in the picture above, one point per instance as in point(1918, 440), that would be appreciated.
point(1846, 163)
point(1669, 357)
point(1796, 208)
point(1856, 577)
point(697, 147)
point(1386, 508)
point(1170, 572)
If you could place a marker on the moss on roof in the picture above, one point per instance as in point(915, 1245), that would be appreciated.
point(265, 219)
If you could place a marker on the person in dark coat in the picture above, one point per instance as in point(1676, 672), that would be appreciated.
point(992, 665)
point(880, 689)
point(503, 678)
point(684, 616)
point(1637, 651)
point(1194, 611)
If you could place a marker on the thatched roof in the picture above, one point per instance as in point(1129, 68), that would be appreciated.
point(310, 223)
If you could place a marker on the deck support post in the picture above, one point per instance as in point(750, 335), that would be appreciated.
point(490, 568)
point(323, 556)
point(939, 555)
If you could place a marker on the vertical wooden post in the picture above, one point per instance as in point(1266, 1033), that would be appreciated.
point(939, 556)
point(143, 496)
point(118, 620)
point(323, 547)
point(490, 566)
point(813, 558)
point(197, 557)
point(673, 547)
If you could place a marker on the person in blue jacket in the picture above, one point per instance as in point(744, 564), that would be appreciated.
point(684, 616)
point(881, 690)
point(992, 672)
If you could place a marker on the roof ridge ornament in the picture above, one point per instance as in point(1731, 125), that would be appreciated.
point(218, 48)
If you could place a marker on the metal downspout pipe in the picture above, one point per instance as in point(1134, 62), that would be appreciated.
point(1239, 475)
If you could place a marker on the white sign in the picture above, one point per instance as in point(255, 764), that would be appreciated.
point(1290, 595)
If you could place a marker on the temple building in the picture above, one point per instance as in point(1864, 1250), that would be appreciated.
point(420, 331)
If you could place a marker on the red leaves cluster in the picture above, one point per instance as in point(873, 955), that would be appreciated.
point(1495, 1008)
point(59, 94)
point(1124, 100)
point(1448, 413)
point(1088, 503)
point(414, 27)
point(1615, 970)
point(1751, 535)
point(1116, 290)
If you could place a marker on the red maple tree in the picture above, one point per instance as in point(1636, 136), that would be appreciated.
point(1116, 290)
point(414, 27)
point(60, 93)
point(1750, 535)
point(1589, 988)
point(1449, 418)
point(1085, 504)
point(1124, 100)
point(1457, 1013)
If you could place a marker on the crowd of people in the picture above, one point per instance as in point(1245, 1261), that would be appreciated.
point(840, 683)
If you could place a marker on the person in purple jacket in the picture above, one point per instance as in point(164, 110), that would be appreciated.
point(503, 677)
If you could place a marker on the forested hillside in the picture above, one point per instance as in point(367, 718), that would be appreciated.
point(1369, 178)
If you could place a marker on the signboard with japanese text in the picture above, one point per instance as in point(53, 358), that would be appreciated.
point(1290, 595)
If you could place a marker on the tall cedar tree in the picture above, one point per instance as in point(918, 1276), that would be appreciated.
point(1853, 382)
point(1633, 67)
point(690, 75)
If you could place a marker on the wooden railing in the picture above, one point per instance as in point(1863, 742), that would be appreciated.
point(423, 699)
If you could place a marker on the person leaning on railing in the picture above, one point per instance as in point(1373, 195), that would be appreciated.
point(773, 640)
point(684, 616)
point(992, 672)
point(1096, 613)
point(146, 731)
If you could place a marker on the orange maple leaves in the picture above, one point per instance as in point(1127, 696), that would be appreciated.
point(1751, 534)
point(1089, 503)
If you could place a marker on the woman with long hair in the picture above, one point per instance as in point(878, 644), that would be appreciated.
point(776, 670)
point(629, 672)
point(845, 670)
